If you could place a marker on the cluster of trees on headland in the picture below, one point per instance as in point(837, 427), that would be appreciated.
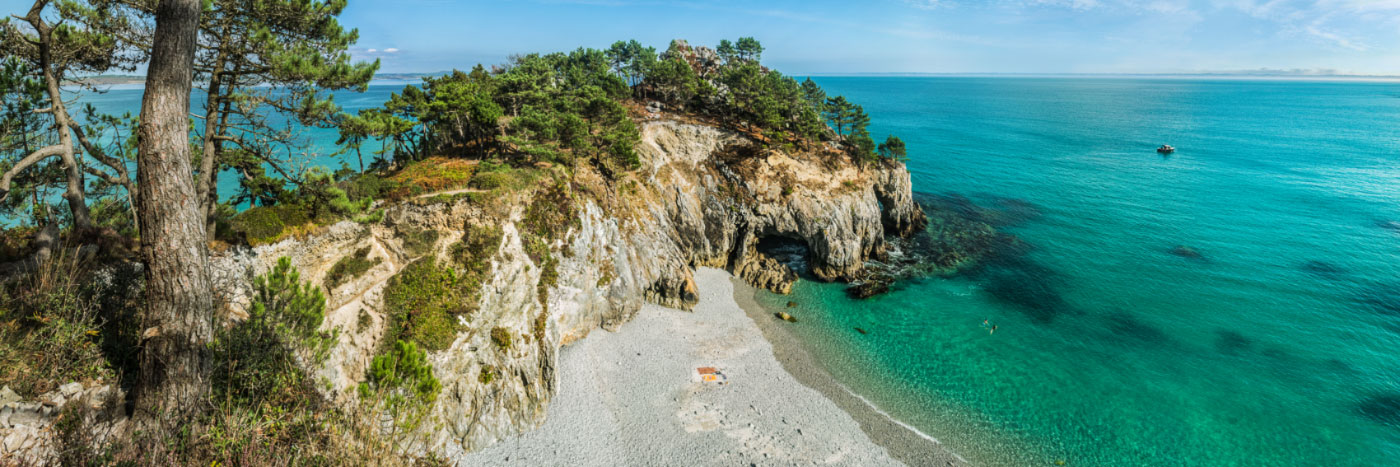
point(268, 68)
point(570, 105)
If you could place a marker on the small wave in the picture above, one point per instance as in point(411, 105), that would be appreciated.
point(899, 422)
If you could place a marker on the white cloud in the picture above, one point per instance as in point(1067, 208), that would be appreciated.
point(391, 50)
point(371, 50)
point(1334, 38)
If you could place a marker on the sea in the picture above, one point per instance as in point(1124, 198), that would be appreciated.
point(1233, 303)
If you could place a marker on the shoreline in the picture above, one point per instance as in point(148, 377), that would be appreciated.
point(903, 442)
point(635, 397)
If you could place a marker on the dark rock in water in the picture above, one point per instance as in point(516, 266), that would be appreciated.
point(867, 289)
point(1388, 224)
point(1231, 342)
point(1030, 287)
point(785, 317)
point(862, 331)
point(1015, 211)
point(1383, 298)
point(1127, 325)
point(1186, 252)
point(792, 304)
point(1384, 408)
point(1323, 269)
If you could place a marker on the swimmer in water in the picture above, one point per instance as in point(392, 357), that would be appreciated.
point(994, 329)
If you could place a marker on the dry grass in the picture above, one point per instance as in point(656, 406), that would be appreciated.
point(49, 329)
point(432, 174)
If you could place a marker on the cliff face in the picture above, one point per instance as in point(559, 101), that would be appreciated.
point(702, 197)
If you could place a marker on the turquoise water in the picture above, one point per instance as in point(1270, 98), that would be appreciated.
point(1275, 347)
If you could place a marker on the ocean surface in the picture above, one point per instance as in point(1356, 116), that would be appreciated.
point(1276, 344)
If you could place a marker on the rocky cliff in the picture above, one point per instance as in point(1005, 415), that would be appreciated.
point(703, 196)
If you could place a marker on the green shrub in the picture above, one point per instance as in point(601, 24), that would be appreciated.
point(49, 329)
point(421, 302)
point(368, 186)
point(551, 214)
point(349, 267)
point(479, 244)
point(323, 200)
point(255, 359)
point(262, 225)
point(419, 242)
point(486, 375)
point(501, 337)
point(492, 180)
point(501, 176)
point(403, 369)
point(292, 307)
point(374, 217)
point(541, 322)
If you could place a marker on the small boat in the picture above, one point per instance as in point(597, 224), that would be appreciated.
point(1166, 149)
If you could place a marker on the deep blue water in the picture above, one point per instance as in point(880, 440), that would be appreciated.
point(1276, 347)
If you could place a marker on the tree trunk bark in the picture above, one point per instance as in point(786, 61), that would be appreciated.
point(178, 318)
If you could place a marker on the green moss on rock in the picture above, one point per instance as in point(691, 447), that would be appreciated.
point(487, 374)
point(349, 268)
point(422, 302)
point(419, 242)
point(267, 224)
point(501, 337)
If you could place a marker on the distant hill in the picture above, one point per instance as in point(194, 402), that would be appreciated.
point(109, 80)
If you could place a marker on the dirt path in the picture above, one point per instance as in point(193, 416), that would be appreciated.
point(452, 192)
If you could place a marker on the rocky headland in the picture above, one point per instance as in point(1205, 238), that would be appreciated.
point(702, 197)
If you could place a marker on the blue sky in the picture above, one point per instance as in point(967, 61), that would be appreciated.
point(930, 36)
point(920, 36)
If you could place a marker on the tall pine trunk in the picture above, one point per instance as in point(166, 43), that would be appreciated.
point(178, 318)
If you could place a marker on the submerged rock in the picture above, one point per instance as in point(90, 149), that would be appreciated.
point(869, 288)
point(1231, 342)
point(783, 315)
point(1384, 408)
point(1323, 269)
point(1388, 224)
point(1185, 252)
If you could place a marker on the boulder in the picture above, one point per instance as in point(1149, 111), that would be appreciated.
point(762, 271)
point(867, 289)
point(783, 315)
point(8, 396)
point(1186, 252)
point(70, 390)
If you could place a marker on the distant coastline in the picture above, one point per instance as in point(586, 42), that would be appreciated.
point(1224, 76)
point(137, 80)
point(129, 80)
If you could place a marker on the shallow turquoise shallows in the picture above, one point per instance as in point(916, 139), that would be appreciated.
point(1278, 345)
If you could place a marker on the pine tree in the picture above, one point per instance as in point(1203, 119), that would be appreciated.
point(265, 58)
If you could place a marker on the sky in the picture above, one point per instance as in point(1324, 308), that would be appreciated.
point(904, 36)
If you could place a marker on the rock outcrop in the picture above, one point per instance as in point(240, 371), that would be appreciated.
point(27, 431)
point(703, 197)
